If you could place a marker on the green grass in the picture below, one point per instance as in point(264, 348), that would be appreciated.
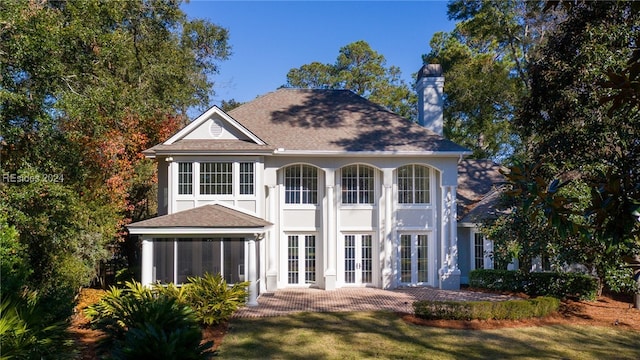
point(383, 335)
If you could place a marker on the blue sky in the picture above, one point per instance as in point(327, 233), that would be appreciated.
point(268, 38)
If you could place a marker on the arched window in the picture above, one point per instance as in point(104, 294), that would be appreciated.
point(301, 184)
point(413, 184)
point(357, 184)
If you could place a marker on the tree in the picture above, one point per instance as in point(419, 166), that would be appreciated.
point(86, 86)
point(362, 70)
point(568, 127)
point(485, 62)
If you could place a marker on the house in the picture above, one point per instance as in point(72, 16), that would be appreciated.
point(309, 188)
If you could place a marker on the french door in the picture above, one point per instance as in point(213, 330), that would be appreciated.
point(413, 259)
point(358, 259)
point(301, 259)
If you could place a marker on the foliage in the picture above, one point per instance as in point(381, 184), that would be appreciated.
point(560, 285)
point(485, 310)
point(362, 70)
point(213, 300)
point(485, 61)
point(86, 86)
point(141, 323)
point(566, 125)
point(14, 266)
point(26, 334)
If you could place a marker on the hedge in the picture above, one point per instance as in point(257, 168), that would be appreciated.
point(485, 310)
point(559, 285)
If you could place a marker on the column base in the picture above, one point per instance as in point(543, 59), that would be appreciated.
point(330, 282)
point(449, 279)
point(272, 282)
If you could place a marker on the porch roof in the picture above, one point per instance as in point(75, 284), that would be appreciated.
point(216, 217)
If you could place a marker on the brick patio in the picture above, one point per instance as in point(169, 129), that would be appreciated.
point(289, 301)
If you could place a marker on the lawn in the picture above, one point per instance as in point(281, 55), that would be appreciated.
point(384, 335)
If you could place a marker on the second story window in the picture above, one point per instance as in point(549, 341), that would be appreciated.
point(185, 178)
point(413, 184)
point(301, 184)
point(216, 178)
point(357, 184)
point(246, 178)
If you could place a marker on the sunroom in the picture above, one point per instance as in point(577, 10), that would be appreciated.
point(212, 239)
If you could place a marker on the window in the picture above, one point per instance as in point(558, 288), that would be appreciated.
point(481, 250)
point(301, 184)
point(478, 244)
point(413, 184)
point(357, 184)
point(301, 259)
point(185, 178)
point(246, 178)
point(216, 178)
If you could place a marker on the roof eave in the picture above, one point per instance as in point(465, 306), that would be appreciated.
point(285, 152)
point(176, 230)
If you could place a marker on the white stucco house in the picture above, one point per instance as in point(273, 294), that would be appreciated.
point(310, 188)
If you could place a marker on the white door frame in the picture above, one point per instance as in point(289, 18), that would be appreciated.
point(375, 261)
point(431, 258)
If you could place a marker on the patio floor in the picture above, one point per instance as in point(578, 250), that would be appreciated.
point(288, 301)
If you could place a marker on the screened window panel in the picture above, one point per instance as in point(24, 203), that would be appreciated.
point(216, 178)
point(163, 252)
point(367, 259)
point(350, 259)
point(185, 178)
point(234, 270)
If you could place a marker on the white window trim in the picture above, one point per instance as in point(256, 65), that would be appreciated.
point(487, 247)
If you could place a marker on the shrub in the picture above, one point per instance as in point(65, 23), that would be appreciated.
point(25, 334)
point(558, 285)
point(212, 299)
point(485, 310)
point(141, 323)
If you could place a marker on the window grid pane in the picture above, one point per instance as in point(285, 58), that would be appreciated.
point(185, 178)
point(309, 187)
point(216, 178)
point(246, 178)
point(367, 259)
point(479, 251)
point(423, 258)
point(349, 259)
point(293, 259)
point(310, 259)
point(357, 185)
point(421, 184)
point(405, 258)
point(405, 183)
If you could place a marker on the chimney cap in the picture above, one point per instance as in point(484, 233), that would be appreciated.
point(430, 70)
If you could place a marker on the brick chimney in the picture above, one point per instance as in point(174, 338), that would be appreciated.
point(430, 86)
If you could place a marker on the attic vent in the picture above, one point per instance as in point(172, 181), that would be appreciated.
point(216, 129)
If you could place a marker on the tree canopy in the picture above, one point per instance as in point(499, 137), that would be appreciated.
point(485, 61)
point(362, 70)
point(85, 87)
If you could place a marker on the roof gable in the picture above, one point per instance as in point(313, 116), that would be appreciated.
point(215, 125)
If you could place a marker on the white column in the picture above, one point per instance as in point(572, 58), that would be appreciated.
point(388, 280)
point(449, 272)
point(171, 185)
point(147, 261)
point(330, 273)
point(272, 241)
point(253, 278)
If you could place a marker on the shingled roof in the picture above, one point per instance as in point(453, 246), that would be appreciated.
point(478, 192)
point(334, 120)
point(207, 216)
